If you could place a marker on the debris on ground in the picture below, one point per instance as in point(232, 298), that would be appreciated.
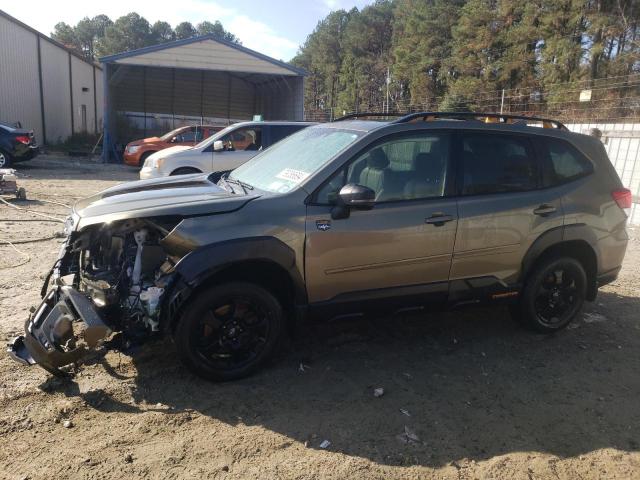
point(378, 392)
point(594, 318)
point(405, 412)
point(67, 424)
point(325, 444)
point(303, 368)
point(408, 436)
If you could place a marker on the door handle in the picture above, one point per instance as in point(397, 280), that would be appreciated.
point(544, 210)
point(438, 219)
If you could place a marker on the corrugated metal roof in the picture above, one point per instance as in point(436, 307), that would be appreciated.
point(48, 39)
point(143, 56)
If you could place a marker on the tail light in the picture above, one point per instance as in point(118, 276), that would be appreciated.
point(23, 139)
point(624, 199)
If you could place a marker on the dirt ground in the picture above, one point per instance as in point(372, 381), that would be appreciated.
point(467, 394)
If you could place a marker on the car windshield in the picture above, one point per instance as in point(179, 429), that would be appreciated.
point(168, 136)
point(290, 161)
point(10, 128)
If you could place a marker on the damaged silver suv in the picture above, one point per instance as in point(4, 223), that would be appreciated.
point(437, 209)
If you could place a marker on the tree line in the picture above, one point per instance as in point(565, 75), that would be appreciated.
point(100, 36)
point(445, 53)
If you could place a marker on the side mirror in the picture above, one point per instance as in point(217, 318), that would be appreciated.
point(353, 196)
point(218, 146)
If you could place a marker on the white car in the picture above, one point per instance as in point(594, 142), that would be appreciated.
point(222, 152)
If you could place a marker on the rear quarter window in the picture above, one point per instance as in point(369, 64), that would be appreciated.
point(563, 162)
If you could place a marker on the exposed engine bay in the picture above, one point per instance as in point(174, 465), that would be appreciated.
point(108, 278)
point(125, 271)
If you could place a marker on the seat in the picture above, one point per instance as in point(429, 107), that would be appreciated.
point(427, 176)
point(373, 174)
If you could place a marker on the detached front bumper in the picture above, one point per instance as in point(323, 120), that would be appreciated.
point(63, 329)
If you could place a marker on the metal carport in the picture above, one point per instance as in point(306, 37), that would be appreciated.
point(201, 80)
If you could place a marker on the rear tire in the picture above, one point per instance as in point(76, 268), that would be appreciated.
point(5, 159)
point(185, 171)
point(230, 330)
point(553, 295)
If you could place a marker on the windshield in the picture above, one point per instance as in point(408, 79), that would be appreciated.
point(168, 136)
point(218, 135)
point(290, 161)
point(10, 128)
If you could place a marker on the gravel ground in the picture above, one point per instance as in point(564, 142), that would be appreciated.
point(467, 394)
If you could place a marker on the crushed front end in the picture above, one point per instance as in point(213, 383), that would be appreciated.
point(110, 277)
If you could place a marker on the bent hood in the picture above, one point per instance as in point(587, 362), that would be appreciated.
point(184, 195)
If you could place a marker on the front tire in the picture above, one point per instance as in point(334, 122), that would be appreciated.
point(143, 158)
point(553, 295)
point(228, 331)
point(5, 159)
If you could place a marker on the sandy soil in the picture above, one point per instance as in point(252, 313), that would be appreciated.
point(466, 394)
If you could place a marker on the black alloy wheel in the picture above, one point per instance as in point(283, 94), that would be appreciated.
point(554, 294)
point(229, 331)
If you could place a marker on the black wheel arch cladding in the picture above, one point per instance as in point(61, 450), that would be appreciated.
point(199, 266)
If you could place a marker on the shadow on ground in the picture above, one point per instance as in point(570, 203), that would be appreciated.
point(472, 384)
point(50, 167)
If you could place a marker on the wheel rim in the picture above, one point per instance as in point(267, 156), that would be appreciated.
point(3, 160)
point(232, 333)
point(557, 297)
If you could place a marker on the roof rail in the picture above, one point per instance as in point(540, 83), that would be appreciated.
point(368, 114)
point(482, 117)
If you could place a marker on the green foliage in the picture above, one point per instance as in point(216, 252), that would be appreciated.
point(99, 36)
point(456, 54)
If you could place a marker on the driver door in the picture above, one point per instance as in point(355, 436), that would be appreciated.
point(397, 248)
point(240, 145)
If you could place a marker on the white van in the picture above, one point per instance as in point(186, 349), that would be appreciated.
point(222, 152)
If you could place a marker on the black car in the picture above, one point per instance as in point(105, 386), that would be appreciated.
point(16, 144)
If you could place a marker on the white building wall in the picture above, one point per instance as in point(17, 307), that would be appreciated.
point(82, 74)
point(19, 84)
point(55, 86)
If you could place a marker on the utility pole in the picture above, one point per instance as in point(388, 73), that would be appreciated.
point(502, 102)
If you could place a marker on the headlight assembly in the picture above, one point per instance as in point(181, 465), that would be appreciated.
point(153, 162)
point(133, 148)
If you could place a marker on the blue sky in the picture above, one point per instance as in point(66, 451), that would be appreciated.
point(272, 27)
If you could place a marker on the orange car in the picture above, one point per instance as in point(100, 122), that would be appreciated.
point(137, 151)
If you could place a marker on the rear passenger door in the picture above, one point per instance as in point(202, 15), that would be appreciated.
point(502, 206)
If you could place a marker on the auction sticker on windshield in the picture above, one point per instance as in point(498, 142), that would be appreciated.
point(292, 175)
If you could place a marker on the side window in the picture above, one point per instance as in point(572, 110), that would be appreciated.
point(278, 132)
point(249, 138)
point(404, 168)
point(497, 164)
point(565, 163)
point(188, 136)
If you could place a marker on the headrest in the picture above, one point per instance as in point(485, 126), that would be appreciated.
point(377, 159)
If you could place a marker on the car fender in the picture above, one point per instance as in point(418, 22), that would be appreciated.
point(200, 265)
point(557, 236)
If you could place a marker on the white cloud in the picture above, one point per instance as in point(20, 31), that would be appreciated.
point(253, 34)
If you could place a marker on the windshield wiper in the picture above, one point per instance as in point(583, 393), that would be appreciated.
point(245, 186)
